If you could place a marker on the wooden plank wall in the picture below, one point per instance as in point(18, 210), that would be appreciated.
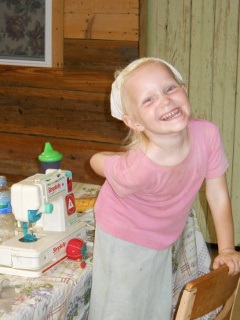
point(202, 39)
point(69, 107)
point(109, 20)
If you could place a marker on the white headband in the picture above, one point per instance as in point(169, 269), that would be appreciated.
point(115, 99)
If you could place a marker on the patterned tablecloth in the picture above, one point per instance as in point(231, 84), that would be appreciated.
point(191, 259)
point(63, 292)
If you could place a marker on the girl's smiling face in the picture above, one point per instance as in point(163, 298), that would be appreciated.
point(159, 103)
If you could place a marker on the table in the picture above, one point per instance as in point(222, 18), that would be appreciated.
point(63, 293)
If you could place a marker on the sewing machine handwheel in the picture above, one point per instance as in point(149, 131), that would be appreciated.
point(48, 207)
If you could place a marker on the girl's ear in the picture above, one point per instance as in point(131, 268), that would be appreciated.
point(184, 88)
point(132, 124)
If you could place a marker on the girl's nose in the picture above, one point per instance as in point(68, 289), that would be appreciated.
point(164, 100)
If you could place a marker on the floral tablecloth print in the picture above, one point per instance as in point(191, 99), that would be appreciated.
point(61, 294)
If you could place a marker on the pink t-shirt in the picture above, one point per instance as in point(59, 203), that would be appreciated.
point(148, 204)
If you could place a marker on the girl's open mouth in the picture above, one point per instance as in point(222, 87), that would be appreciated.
point(171, 115)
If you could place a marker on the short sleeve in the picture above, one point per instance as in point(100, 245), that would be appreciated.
point(217, 161)
point(126, 174)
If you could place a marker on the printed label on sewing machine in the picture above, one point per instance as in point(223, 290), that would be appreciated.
point(56, 186)
point(58, 248)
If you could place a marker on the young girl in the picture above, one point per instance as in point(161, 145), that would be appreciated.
point(149, 191)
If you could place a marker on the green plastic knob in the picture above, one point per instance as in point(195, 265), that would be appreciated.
point(48, 208)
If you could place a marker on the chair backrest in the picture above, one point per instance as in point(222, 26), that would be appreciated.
point(207, 293)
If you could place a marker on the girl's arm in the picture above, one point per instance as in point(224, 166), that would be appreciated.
point(97, 161)
point(219, 202)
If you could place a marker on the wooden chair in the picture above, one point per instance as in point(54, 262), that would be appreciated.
point(209, 292)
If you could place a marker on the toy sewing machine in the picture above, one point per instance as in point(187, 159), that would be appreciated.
point(45, 206)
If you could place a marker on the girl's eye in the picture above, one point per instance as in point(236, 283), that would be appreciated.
point(149, 99)
point(169, 89)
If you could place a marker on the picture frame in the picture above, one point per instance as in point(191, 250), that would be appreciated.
point(43, 35)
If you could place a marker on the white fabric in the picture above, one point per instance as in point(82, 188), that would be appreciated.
point(115, 99)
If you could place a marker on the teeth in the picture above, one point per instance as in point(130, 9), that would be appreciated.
point(171, 115)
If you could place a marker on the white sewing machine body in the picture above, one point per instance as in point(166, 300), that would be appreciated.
point(47, 201)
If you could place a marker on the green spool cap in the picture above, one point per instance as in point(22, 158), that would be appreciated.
point(49, 154)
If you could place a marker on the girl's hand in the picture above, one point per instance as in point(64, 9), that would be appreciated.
point(231, 258)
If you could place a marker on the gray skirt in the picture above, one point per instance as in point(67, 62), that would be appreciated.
point(129, 282)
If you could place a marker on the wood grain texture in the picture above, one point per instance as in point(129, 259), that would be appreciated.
point(81, 116)
point(68, 107)
point(101, 26)
point(109, 20)
point(107, 6)
point(19, 156)
point(67, 79)
point(200, 81)
point(99, 55)
point(57, 33)
point(69, 104)
point(201, 38)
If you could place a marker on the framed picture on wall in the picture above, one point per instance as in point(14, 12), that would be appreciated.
point(26, 32)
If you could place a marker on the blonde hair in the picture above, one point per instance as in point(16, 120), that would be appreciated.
point(136, 138)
